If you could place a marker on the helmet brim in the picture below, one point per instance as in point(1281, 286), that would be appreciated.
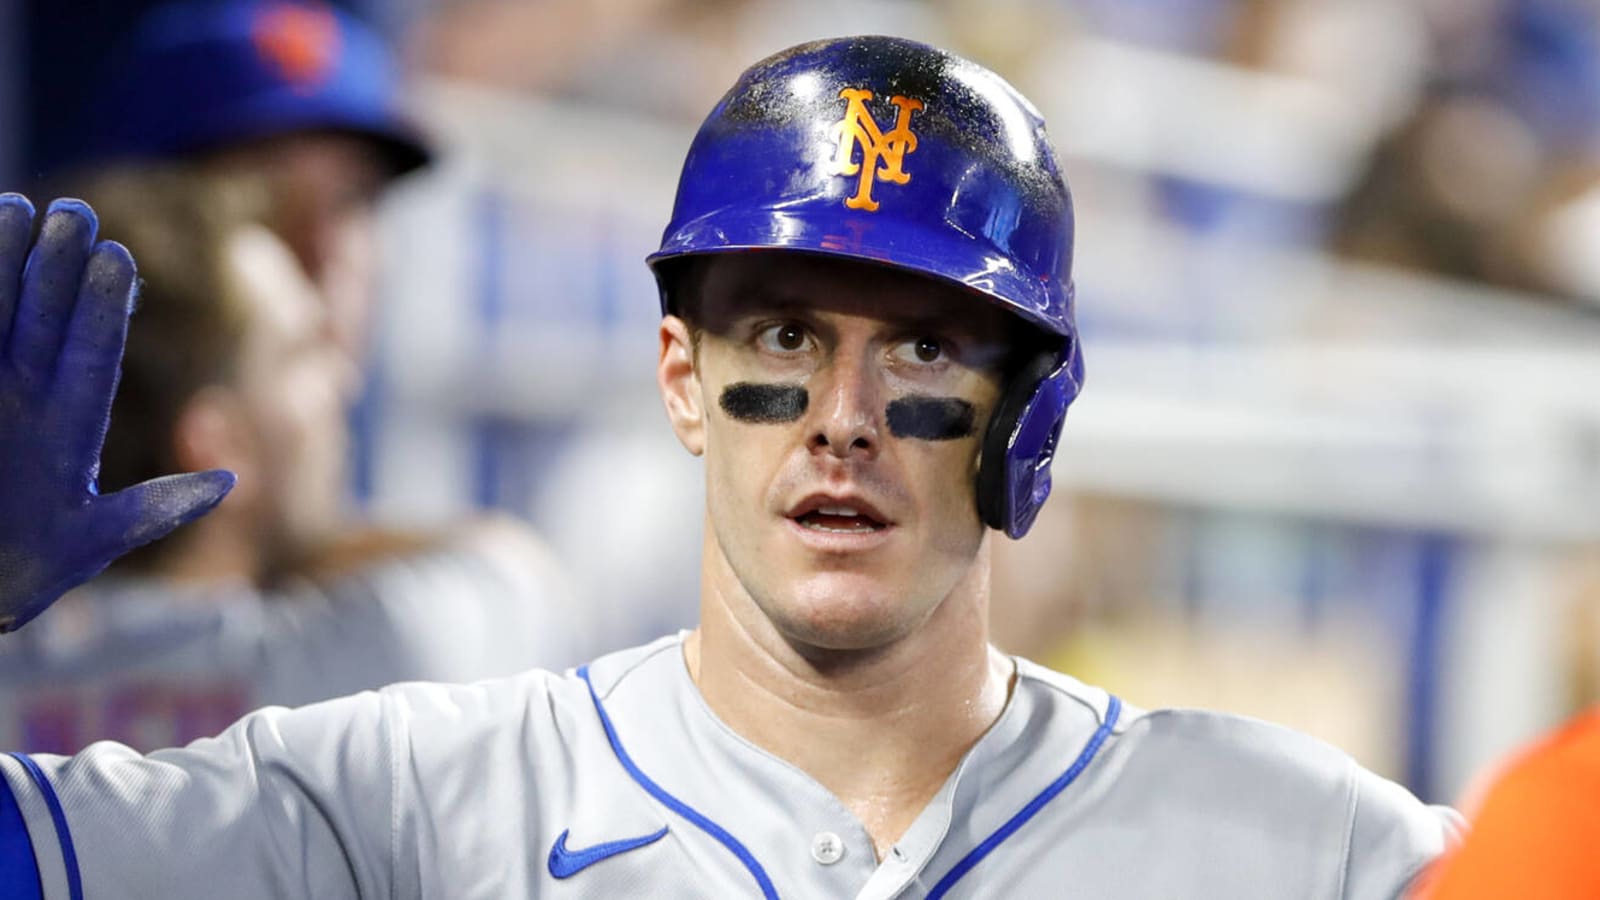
point(958, 259)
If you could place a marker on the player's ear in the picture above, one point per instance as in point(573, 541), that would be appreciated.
point(679, 380)
point(211, 433)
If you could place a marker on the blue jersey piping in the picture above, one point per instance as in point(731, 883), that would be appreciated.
point(977, 854)
point(673, 803)
point(69, 855)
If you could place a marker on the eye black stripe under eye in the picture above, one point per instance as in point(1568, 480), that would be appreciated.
point(764, 404)
point(931, 418)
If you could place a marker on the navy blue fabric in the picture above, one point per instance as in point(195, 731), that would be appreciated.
point(971, 860)
point(673, 803)
point(19, 871)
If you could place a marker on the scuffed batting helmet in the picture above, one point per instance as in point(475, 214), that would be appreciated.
point(889, 151)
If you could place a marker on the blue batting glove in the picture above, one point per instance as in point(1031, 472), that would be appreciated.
point(64, 307)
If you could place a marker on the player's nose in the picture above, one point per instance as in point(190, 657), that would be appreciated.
point(847, 408)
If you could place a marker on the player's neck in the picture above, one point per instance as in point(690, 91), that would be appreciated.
point(881, 729)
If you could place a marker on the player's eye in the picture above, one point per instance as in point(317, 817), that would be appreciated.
point(784, 337)
point(923, 350)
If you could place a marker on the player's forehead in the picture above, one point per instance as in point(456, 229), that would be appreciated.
point(729, 287)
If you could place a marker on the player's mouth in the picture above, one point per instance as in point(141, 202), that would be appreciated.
point(839, 520)
point(822, 514)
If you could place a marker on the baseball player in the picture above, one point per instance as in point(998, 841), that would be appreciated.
point(297, 91)
point(869, 336)
point(230, 364)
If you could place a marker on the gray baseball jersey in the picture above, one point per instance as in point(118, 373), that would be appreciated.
point(616, 780)
point(152, 664)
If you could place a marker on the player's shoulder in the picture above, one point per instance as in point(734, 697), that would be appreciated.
point(645, 665)
point(517, 706)
point(1173, 774)
point(1196, 740)
point(1208, 747)
point(1271, 752)
point(1198, 737)
point(1066, 693)
point(1270, 758)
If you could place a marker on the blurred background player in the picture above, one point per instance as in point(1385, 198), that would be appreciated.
point(1493, 177)
point(233, 363)
point(292, 111)
point(301, 94)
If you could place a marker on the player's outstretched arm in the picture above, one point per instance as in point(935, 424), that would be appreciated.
point(64, 306)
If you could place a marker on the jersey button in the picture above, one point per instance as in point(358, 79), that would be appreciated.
point(827, 848)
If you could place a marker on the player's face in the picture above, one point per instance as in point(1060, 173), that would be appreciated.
point(326, 186)
point(293, 384)
point(841, 407)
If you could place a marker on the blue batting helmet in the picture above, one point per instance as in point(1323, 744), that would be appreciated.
point(196, 75)
point(893, 152)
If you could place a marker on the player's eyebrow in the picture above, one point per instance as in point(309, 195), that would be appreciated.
point(742, 303)
point(755, 302)
point(762, 300)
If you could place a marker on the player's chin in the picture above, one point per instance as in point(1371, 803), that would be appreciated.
point(846, 611)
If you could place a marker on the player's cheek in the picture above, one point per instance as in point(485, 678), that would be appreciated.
point(742, 461)
point(944, 474)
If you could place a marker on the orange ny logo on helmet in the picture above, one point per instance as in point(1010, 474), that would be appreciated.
point(881, 153)
point(301, 40)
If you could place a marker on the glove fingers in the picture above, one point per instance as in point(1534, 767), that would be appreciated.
point(26, 599)
point(135, 516)
point(50, 286)
point(16, 226)
point(86, 377)
point(12, 619)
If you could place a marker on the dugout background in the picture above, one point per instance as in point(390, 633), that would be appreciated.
point(1361, 499)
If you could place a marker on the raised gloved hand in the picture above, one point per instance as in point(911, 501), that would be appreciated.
point(64, 307)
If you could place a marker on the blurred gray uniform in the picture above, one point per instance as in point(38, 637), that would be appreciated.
point(152, 664)
point(617, 781)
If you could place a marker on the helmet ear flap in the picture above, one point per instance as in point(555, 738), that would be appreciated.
point(1020, 442)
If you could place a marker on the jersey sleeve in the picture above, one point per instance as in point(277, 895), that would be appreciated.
point(1393, 837)
point(285, 803)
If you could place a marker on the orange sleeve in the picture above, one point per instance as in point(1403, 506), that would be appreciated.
point(1537, 833)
